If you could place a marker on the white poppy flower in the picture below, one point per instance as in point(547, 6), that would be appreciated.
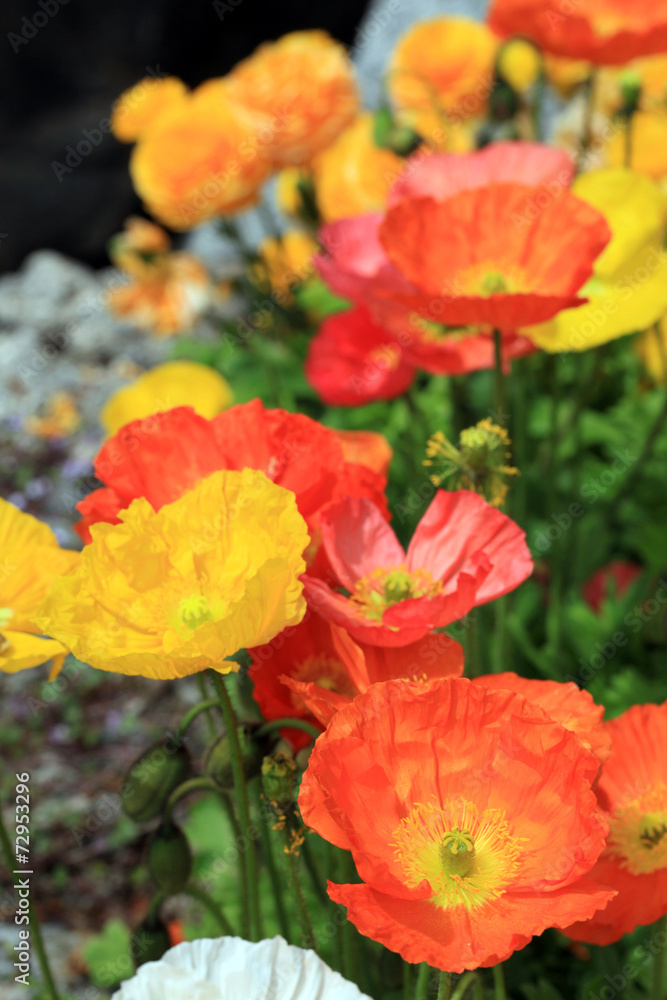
point(229, 967)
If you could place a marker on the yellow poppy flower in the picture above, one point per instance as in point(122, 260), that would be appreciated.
point(137, 107)
point(354, 175)
point(628, 290)
point(30, 560)
point(519, 64)
point(442, 64)
point(175, 383)
point(170, 593)
point(652, 349)
point(288, 261)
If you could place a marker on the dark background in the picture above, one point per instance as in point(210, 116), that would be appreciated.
point(62, 76)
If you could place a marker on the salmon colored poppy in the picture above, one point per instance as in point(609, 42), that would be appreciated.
point(353, 361)
point(492, 227)
point(469, 814)
point(633, 791)
point(302, 92)
point(162, 457)
point(311, 671)
point(464, 552)
point(606, 32)
point(354, 174)
point(612, 580)
point(564, 703)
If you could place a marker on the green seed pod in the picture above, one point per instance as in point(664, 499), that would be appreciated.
point(630, 85)
point(169, 857)
point(149, 942)
point(152, 778)
point(217, 763)
point(503, 103)
point(278, 779)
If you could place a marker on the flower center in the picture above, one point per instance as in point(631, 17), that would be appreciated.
point(429, 330)
point(326, 671)
point(386, 357)
point(388, 585)
point(638, 833)
point(194, 611)
point(5, 617)
point(494, 283)
point(468, 857)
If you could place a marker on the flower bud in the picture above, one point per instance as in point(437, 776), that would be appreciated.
point(217, 763)
point(169, 857)
point(149, 942)
point(630, 84)
point(152, 778)
point(519, 64)
point(278, 780)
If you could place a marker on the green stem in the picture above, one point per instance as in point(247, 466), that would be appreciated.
point(35, 929)
point(658, 991)
point(243, 804)
point(228, 803)
point(501, 398)
point(202, 897)
point(306, 727)
point(421, 993)
point(628, 140)
point(469, 979)
point(196, 710)
point(407, 981)
point(210, 724)
point(644, 455)
point(274, 877)
point(587, 131)
point(297, 891)
point(316, 879)
point(444, 986)
point(201, 784)
point(500, 653)
point(499, 982)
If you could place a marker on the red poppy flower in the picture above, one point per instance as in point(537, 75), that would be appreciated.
point(463, 553)
point(564, 703)
point(614, 578)
point(464, 243)
point(313, 669)
point(606, 32)
point(469, 814)
point(352, 361)
point(160, 457)
point(633, 791)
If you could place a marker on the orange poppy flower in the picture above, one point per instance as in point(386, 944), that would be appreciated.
point(633, 791)
point(367, 448)
point(199, 159)
point(503, 263)
point(606, 32)
point(301, 91)
point(469, 814)
point(564, 703)
point(312, 670)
